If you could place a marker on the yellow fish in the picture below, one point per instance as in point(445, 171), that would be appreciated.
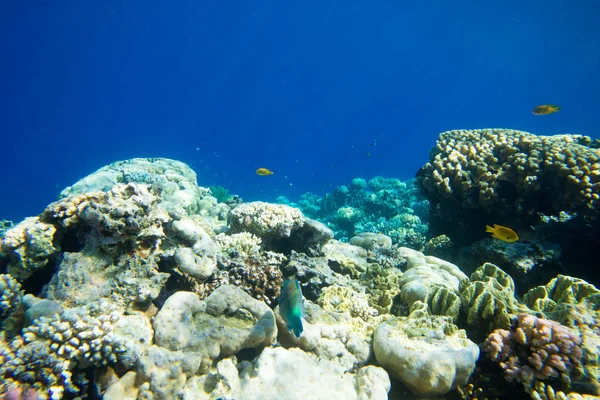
point(546, 109)
point(264, 172)
point(502, 233)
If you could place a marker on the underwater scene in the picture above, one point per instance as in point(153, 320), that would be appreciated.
point(238, 201)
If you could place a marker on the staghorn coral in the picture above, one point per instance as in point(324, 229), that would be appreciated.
point(12, 306)
point(543, 391)
point(265, 219)
point(535, 349)
point(35, 365)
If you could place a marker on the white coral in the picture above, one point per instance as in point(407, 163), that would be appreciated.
point(260, 218)
point(244, 244)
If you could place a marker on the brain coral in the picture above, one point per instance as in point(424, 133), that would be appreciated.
point(511, 173)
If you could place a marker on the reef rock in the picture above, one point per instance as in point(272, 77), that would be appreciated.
point(287, 373)
point(429, 354)
point(528, 263)
point(333, 336)
point(229, 321)
point(431, 280)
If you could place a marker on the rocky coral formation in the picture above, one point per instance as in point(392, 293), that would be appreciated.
point(333, 336)
point(431, 280)
point(511, 178)
point(5, 225)
point(287, 373)
point(265, 219)
point(430, 355)
point(528, 263)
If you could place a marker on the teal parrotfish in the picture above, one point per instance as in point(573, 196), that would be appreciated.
point(291, 306)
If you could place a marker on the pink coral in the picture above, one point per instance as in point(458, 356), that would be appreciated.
point(535, 348)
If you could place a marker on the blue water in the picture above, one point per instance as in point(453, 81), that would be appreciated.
point(305, 89)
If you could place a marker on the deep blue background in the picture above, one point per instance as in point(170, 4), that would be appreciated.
point(302, 89)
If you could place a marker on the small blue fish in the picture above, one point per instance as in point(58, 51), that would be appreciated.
point(291, 306)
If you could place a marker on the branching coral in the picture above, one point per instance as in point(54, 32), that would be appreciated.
point(51, 352)
point(535, 349)
point(11, 295)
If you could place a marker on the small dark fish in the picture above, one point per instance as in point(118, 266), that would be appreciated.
point(546, 109)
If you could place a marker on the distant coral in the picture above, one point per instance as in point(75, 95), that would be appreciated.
point(381, 205)
point(220, 193)
point(5, 225)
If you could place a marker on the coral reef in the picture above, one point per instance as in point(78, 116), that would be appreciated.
point(511, 178)
point(264, 219)
point(139, 284)
point(287, 373)
point(488, 299)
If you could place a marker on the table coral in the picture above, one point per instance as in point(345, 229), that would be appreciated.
point(535, 349)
